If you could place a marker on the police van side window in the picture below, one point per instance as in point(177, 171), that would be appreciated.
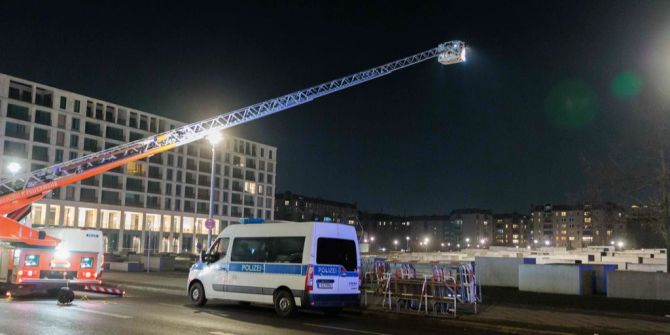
point(218, 250)
point(248, 250)
point(268, 249)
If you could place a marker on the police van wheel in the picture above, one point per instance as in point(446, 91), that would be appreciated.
point(197, 294)
point(284, 304)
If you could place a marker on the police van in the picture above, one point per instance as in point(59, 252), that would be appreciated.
point(290, 265)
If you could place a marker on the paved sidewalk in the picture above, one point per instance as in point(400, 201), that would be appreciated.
point(499, 315)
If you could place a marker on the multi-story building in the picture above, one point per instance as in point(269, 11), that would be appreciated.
point(294, 207)
point(436, 232)
point(158, 203)
point(576, 226)
point(476, 226)
point(510, 229)
point(383, 230)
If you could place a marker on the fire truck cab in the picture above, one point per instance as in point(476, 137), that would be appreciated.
point(78, 259)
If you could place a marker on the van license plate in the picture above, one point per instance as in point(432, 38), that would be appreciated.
point(324, 284)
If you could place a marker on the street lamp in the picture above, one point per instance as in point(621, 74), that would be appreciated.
point(620, 244)
point(546, 242)
point(213, 139)
point(13, 168)
point(467, 240)
point(425, 243)
point(407, 239)
point(395, 243)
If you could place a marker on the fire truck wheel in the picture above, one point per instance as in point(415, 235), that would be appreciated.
point(65, 296)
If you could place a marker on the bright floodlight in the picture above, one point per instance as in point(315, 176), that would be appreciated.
point(214, 138)
point(620, 244)
point(13, 167)
point(395, 242)
point(451, 52)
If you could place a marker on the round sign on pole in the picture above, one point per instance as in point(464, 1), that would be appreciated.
point(209, 223)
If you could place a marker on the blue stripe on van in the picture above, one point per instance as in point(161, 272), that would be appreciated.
point(290, 269)
point(287, 269)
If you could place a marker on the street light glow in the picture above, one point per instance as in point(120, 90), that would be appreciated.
point(214, 138)
point(13, 167)
point(407, 238)
point(395, 242)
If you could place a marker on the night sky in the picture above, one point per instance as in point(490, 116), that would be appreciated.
point(546, 85)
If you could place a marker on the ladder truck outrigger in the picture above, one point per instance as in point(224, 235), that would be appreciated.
point(29, 257)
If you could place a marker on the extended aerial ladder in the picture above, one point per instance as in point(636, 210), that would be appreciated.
point(19, 192)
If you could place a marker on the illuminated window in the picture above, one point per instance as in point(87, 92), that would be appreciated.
point(136, 169)
point(563, 213)
point(250, 187)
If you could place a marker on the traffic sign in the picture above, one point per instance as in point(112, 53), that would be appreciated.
point(209, 223)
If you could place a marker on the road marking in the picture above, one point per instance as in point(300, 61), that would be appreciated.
point(120, 316)
point(214, 333)
point(345, 329)
point(169, 305)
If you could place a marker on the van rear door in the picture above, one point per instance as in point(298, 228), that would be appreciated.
point(336, 269)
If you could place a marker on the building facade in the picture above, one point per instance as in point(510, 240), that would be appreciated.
point(577, 226)
point(510, 229)
point(434, 232)
point(476, 226)
point(158, 203)
point(382, 231)
point(299, 208)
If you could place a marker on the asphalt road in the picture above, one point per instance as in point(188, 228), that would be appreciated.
point(142, 312)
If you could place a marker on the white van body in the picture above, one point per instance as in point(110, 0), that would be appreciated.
point(317, 262)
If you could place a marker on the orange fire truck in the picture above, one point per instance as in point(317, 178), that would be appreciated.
point(76, 261)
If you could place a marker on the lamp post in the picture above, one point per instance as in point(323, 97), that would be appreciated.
point(425, 243)
point(407, 239)
point(213, 139)
point(395, 243)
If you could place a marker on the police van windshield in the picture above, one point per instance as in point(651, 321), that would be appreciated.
point(336, 251)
